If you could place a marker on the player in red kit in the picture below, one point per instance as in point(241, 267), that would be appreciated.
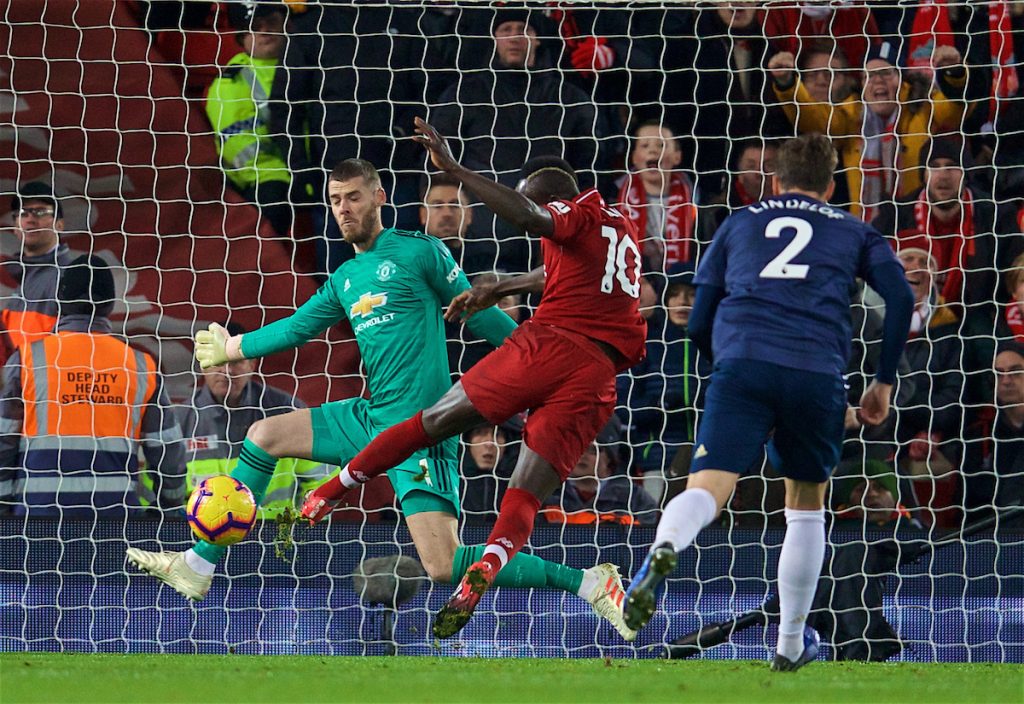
point(560, 365)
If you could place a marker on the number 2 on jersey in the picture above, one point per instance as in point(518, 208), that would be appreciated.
point(780, 267)
point(616, 268)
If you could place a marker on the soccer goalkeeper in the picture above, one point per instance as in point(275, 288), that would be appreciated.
point(392, 292)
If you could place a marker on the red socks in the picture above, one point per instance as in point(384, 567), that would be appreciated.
point(387, 450)
point(512, 529)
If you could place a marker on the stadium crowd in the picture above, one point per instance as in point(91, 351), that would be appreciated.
point(675, 116)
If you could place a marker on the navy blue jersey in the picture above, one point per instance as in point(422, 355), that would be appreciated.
point(788, 266)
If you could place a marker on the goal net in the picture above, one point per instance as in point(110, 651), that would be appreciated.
point(188, 144)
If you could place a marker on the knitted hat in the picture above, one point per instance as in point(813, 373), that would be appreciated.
point(947, 148)
point(917, 244)
point(86, 286)
point(875, 470)
point(887, 51)
point(504, 14)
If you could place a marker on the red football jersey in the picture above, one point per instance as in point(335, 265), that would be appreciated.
point(592, 266)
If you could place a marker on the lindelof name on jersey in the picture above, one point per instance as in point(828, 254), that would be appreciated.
point(795, 204)
point(364, 308)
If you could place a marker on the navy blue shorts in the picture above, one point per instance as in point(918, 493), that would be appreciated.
point(747, 400)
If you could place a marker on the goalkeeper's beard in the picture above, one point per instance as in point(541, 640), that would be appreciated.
point(369, 225)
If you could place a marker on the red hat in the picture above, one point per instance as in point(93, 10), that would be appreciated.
point(916, 244)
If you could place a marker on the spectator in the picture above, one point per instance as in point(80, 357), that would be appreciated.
point(1010, 234)
point(238, 108)
point(215, 425)
point(30, 313)
point(598, 491)
point(882, 135)
point(504, 117)
point(604, 52)
point(659, 397)
point(993, 459)
point(490, 456)
point(75, 405)
point(867, 499)
point(792, 28)
point(446, 214)
point(658, 198)
point(499, 119)
point(720, 98)
point(755, 162)
point(956, 225)
point(825, 73)
point(930, 419)
point(351, 83)
point(1011, 326)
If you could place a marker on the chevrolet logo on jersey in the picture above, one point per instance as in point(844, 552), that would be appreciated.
point(366, 303)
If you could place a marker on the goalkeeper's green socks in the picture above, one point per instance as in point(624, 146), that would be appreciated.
point(255, 469)
point(521, 571)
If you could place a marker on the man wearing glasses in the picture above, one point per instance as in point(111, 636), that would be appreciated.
point(31, 311)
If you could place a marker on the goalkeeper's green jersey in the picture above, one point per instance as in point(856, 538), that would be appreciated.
point(393, 295)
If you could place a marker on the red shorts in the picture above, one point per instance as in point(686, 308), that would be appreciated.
point(564, 380)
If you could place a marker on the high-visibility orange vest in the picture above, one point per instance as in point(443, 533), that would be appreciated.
point(554, 514)
point(85, 395)
point(26, 326)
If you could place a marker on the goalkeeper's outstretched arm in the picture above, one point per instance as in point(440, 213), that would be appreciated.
point(215, 346)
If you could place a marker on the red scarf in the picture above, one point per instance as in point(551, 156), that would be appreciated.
point(680, 215)
point(949, 250)
point(931, 29)
point(1005, 81)
point(1015, 320)
point(741, 192)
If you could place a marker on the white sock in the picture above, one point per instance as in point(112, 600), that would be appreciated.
point(498, 552)
point(685, 517)
point(590, 580)
point(347, 480)
point(803, 551)
point(198, 564)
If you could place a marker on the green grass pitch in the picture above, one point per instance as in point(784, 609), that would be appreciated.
point(44, 677)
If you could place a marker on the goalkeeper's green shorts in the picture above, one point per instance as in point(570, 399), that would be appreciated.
point(427, 481)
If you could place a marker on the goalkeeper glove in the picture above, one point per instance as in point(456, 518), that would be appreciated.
point(211, 346)
point(592, 54)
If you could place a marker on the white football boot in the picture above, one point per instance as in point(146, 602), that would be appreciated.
point(170, 568)
point(606, 598)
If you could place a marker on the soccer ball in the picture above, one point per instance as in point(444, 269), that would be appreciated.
point(221, 510)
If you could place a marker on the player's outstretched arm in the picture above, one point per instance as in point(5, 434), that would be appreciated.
point(314, 316)
point(508, 204)
point(485, 294)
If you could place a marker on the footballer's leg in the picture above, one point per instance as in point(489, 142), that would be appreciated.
point(502, 384)
point(434, 530)
point(451, 415)
point(684, 518)
point(803, 551)
point(570, 391)
point(190, 573)
point(532, 480)
point(805, 448)
point(730, 438)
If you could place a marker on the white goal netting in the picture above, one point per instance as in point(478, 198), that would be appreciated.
point(187, 145)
